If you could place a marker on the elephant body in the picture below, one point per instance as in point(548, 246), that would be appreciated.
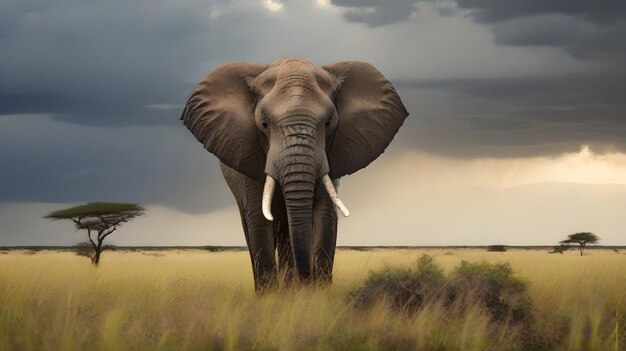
point(285, 133)
point(268, 241)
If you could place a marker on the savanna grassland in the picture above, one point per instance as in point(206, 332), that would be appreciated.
point(199, 300)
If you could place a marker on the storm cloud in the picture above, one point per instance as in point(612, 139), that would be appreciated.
point(495, 11)
point(63, 162)
point(518, 117)
point(376, 13)
point(582, 28)
point(108, 63)
point(91, 92)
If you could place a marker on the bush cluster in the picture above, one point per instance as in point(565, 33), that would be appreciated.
point(560, 249)
point(403, 289)
point(213, 248)
point(491, 286)
point(496, 248)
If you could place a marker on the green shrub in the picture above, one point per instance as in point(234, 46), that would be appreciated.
point(492, 286)
point(496, 248)
point(402, 289)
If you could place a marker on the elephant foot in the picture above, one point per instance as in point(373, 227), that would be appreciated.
point(265, 284)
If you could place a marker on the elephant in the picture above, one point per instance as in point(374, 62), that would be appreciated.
point(285, 133)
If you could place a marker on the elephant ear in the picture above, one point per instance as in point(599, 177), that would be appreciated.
point(220, 114)
point(370, 114)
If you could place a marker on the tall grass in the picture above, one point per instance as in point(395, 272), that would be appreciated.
point(195, 300)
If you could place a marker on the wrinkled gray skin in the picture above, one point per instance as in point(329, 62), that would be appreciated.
point(294, 122)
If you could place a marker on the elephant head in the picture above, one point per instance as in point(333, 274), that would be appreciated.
point(296, 125)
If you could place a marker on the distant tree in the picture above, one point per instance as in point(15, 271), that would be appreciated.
point(101, 218)
point(581, 239)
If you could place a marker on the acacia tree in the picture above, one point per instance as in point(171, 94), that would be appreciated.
point(581, 239)
point(99, 219)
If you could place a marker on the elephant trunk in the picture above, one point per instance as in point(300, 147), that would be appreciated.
point(298, 186)
point(297, 162)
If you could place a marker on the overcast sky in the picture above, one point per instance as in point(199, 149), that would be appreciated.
point(516, 133)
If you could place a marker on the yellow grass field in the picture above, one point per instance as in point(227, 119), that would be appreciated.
point(200, 300)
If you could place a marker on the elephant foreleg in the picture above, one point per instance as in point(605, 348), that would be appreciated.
point(259, 238)
point(257, 230)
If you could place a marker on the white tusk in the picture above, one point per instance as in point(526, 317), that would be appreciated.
point(330, 188)
point(268, 192)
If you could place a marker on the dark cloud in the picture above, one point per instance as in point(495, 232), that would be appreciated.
point(575, 89)
point(579, 38)
point(376, 13)
point(581, 28)
point(556, 31)
point(100, 63)
point(48, 161)
point(496, 11)
point(515, 117)
point(533, 115)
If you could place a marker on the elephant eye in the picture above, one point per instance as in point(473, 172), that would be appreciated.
point(328, 121)
point(264, 122)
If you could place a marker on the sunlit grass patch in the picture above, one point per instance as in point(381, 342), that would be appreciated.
point(201, 300)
